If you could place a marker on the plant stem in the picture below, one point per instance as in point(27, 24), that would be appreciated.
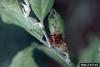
point(44, 32)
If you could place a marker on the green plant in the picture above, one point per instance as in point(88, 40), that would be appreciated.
point(91, 54)
point(17, 13)
point(52, 44)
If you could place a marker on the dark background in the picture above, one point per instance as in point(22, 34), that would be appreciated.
point(81, 20)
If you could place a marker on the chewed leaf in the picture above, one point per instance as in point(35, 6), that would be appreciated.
point(41, 7)
point(56, 23)
point(15, 16)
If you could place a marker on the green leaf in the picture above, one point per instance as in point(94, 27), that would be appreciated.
point(14, 15)
point(56, 23)
point(52, 54)
point(91, 54)
point(24, 58)
point(41, 7)
point(97, 57)
point(5, 4)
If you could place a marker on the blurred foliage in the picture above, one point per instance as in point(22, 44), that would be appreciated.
point(91, 54)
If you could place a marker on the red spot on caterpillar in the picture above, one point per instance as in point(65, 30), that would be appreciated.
point(57, 40)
